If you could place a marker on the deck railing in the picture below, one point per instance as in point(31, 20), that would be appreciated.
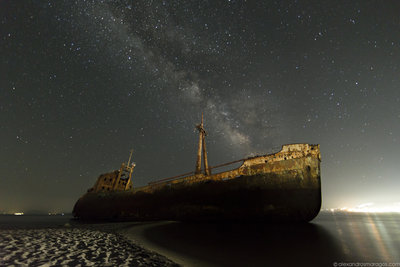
point(192, 173)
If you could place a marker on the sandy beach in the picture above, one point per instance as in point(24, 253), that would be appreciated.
point(73, 245)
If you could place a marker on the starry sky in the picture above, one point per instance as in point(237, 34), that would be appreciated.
point(83, 82)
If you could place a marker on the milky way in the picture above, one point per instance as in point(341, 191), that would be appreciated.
point(82, 82)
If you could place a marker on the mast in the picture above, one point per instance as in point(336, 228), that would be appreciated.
point(129, 167)
point(206, 169)
point(202, 148)
point(201, 129)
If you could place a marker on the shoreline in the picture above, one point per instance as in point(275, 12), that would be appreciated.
point(136, 233)
point(327, 239)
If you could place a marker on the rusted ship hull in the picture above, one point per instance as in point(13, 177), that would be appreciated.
point(285, 186)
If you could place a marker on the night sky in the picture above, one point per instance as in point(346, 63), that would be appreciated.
point(83, 82)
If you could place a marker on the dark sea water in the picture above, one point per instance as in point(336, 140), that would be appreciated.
point(34, 221)
point(344, 239)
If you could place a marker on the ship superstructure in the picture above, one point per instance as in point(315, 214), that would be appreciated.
point(118, 180)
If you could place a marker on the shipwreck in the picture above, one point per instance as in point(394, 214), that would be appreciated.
point(283, 186)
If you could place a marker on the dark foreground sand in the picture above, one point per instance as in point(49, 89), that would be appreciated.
point(82, 245)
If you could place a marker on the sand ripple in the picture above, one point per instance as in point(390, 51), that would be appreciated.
point(72, 247)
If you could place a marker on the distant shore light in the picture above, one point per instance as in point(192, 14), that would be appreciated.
point(371, 208)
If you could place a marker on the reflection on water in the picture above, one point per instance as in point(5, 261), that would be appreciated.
point(331, 237)
point(366, 237)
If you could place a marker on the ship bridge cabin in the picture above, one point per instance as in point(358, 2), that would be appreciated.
point(118, 180)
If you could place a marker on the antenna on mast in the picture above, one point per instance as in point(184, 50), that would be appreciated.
point(129, 161)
